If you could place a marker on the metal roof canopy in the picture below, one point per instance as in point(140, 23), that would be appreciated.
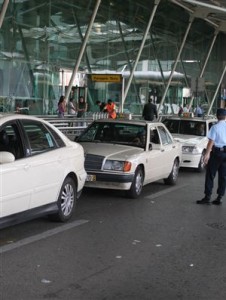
point(214, 13)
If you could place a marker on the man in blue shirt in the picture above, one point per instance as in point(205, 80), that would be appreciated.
point(198, 111)
point(215, 159)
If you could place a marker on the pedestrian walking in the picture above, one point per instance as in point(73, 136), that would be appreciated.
point(215, 159)
point(150, 111)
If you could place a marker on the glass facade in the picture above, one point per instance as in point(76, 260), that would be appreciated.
point(178, 59)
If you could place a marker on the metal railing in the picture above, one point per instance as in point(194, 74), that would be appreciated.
point(72, 126)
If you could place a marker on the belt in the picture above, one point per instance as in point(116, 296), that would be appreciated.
point(221, 149)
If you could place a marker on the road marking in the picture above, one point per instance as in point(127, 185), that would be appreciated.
point(41, 236)
point(167, 191)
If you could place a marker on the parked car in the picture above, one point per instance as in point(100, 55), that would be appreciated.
point(192, 134)
point(127, 154)
point(41, 170)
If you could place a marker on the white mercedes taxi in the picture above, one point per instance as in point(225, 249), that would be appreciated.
point(41, 170)
point(128, 154)
point(192, 134)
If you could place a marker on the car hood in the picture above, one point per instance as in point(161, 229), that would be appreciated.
point(190, 139)
point(111, 150)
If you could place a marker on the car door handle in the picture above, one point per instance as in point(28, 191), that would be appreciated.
point(162, 150)
point(26, 167)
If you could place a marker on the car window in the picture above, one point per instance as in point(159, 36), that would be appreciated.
point(118, 133)
point(172, 125)
point(39, 138)
point(57, 138)
point(164, 135)
point(10, 140)
point(200, 129)
point(211, 124)
point(154, 136)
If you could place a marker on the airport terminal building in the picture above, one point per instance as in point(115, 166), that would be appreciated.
point(172, 51)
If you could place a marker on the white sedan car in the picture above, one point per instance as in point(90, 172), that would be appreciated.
point(125, 155)
point(192, 134)
point(41, 170)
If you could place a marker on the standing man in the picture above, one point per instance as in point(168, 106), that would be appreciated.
point(215, 158)
point(198, 111)
point(149, 111)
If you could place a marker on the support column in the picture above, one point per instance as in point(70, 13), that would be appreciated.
point(82, 50)
point(216, 92)
point(206, 61)
point(176, 61)
point(3, 11)
point(140, 51)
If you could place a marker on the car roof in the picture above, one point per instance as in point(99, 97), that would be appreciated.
point(198, 119)
point(9, 117)
point(126, 121)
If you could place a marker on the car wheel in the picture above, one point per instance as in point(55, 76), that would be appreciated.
point(137, 184)
point(66, 201)
point(201, 166)
point(172, 178)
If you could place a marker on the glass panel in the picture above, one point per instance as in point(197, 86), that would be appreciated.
point(41, 40)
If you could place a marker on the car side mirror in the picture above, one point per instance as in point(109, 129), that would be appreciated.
point(150, 146)
point(6, 157)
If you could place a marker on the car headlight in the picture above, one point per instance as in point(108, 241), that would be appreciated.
point(116, 165)
point(190, 149)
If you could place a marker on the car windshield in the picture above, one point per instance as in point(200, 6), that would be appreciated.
point(117, 133)
point(189, 127)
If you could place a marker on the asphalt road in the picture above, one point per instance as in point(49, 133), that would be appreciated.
point(162, 246)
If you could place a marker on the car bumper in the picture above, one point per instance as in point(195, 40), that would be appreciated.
point(109, 181)
point(190, 160)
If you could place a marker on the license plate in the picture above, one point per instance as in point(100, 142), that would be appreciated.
point(91, 178)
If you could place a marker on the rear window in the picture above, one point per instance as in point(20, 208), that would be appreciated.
point(189, 127)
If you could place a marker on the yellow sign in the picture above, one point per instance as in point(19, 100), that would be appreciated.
point(106, 78)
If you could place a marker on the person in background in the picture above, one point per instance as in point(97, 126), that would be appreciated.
point(71, 107)
point(200, 129)
point(150, 111)
point(180, 112)
point(101, 105)
point(110, 108)
point(198, 111)
point(61, 106)
point(186, 108)
point(140, 139)
point(81, 107)
point(215, 159)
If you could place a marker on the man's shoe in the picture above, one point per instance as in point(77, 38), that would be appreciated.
point(217, 201)
point(205, 200)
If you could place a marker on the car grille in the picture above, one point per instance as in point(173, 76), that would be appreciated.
point(93, 162)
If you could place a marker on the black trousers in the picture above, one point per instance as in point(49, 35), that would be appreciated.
point(216, 163)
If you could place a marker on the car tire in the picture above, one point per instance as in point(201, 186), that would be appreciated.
point(137, 184)
point(66, 201)
point(172, 178)
point(201, 166)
